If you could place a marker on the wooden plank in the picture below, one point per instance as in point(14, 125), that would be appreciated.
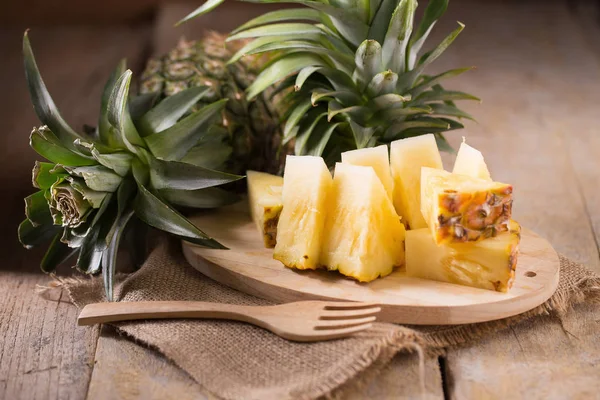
point(535, 129)
point(43, 354)
point(149, 376)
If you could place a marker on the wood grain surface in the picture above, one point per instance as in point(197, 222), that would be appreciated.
point(539, 77)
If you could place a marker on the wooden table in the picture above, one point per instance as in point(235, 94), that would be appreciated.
point(539, 77)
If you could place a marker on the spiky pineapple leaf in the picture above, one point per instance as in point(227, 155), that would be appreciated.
point(56, 254)
point(296, 29)
point(153, 211)
point(109, 256)
point(44, 106)
point(292, 14)
point(449, 110)
point(43, 176)
point(295, 117)
point(203, 9)
point(120, 162)
point(381, 19)
point(170, 110)
point(434, 11)
point(118, 114)
point(105, 133)
point(306, 129)
point(182, 176)
point(444, 95)
point(430, 81)
point(97, 177)
point(317, 142)
point(30, 235)
point(47, 145)
point(37, 210)
point(281, 68)
point(175, 142)
point(398, 35)
point(90, 253)
point(202, 198)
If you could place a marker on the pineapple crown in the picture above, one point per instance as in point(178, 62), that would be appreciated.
point(141, 161)
point(356, 70)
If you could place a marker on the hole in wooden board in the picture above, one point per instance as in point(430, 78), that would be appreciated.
point(530, 274)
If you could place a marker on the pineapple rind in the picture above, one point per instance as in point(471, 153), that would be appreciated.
point(489, 264)
point(265, 198)
point(460, 208)
point(364, 238)
point(407, 156)
point(306, 191)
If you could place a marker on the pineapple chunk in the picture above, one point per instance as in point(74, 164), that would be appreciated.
point(264, 192)
point(375, 157)
point(488, 264)
point(307, 185)
point(364, 237)
point(407, 156)
point(470, 162)
point(460, 208)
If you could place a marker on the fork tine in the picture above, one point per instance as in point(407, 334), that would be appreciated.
point(346, 314)
point(345, 305)
point(343, 323)
point(340, 333)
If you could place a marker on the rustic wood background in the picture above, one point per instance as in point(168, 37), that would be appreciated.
point(539, 77)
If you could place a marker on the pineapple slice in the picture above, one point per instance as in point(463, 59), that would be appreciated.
point(264, 192)
point(407, 156)
point(364, 237)
point(307, 185)
point(375, 157)
point(460, 208)
point(488, 264)
point(470, 162)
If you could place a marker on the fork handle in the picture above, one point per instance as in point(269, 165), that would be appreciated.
point(99, 313)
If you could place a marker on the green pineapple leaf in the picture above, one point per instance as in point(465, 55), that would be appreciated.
point(202, 198)
point(182, 176)
point(31, 236)
point(56, 254)
point(105, 132)
point(291, 14)
point(46, 144)
point(36, 209)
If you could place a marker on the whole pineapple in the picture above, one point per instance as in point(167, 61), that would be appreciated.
point(248, 136)
point(357, 70)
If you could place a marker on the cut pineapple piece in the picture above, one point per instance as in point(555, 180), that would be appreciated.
point(470, 162)
point(364, 237)
point(264, 195)
point(307, 186)
point(407, 156)
point(375, 157)
point(460, 208)
point(488, 264)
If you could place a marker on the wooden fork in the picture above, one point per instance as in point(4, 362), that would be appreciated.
point(303, 321)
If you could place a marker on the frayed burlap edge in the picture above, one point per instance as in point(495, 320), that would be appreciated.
point(401, 339)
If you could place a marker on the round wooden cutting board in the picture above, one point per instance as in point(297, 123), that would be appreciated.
point(250, 268)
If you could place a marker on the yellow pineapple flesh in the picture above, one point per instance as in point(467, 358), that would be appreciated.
point(407, 156)
point(364, 238)
point(459, 208)
point(470, 162)
point(307, 186)
point(488, 264)
point(375, 157)
point(265, 198)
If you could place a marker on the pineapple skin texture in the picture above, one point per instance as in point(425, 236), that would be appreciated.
point(470, 162)
point(489, 264)
point(306, 192)
point(364, 238)
point(265, 198)
point(377, 158)
point(461, 209)
point(407, 156)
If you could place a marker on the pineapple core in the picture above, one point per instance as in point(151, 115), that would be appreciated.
point(460, 208)
point(375, 157)
point(470, 162)
point(264, 195)
point(488, 264)
point(364, 237)
point(307, 186)
point(407, 156)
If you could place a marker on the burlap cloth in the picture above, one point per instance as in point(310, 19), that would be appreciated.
point(233, 360)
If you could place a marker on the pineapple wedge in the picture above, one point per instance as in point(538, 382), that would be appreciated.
point(470, 162)
point(460, 208)
point(407, 156)
point(488, 264)
point(364, 237)
point(264, 195)
point(378, 159)
point(307, 186)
